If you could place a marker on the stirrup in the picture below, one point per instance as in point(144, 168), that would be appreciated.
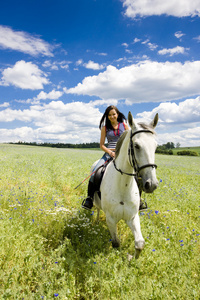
point(87, 203)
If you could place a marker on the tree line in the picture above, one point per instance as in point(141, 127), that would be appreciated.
point(168, 146)
point(60, 145)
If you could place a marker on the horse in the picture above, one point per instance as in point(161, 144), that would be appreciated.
point(120, 197)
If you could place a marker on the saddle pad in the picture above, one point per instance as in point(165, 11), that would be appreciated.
point(98, 175)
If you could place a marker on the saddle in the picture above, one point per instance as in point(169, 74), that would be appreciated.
point(98, 176)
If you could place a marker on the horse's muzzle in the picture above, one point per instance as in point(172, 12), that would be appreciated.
point(150, 186)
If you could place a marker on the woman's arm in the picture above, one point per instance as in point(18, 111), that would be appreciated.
point(126, 126)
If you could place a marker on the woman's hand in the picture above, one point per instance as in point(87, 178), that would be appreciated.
point(112, 154)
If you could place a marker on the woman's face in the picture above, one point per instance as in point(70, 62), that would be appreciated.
point(112, 115)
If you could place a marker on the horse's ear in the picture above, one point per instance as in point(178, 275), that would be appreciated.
point(131, 121)
point(155, 121)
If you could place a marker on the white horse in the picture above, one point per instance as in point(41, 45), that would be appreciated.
point(120, 199)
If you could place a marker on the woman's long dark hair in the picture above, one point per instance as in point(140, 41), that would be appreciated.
point(106, 121)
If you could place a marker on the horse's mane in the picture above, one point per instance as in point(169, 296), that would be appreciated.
point(122, 137)
point(120, 142)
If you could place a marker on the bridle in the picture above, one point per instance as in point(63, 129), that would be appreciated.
point(132, 158)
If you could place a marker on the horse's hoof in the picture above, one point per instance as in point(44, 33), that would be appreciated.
point(139, 245)
point(115, 244)
point(137, 253)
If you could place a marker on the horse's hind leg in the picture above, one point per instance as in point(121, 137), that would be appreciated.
point(112, 225)
point(134, 225)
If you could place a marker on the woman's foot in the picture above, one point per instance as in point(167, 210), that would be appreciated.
point(87, 203)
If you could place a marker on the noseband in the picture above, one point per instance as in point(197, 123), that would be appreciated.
point(132, 158)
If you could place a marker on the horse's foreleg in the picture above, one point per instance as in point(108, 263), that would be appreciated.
point(112, 225)
point(134, 225)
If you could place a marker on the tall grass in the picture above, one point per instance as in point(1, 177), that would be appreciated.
point(50, 248)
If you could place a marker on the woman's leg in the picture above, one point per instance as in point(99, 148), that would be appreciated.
point(88, 202)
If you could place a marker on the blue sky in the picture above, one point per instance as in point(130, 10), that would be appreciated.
point(63, 62)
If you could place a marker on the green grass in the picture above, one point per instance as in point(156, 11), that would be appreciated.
point(51, 249)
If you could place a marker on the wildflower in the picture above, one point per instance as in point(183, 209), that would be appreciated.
point(156, 211)
point(167, 239)
point(94, 262)
point(160, 180)
point(56, 295)
point(154, 250)
point(180, 241)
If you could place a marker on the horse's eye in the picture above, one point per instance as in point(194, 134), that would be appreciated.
point(137, 146)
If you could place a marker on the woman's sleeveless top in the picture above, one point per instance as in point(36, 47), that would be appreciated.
point(113, 135)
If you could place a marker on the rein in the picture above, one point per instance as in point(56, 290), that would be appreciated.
point(132, 159)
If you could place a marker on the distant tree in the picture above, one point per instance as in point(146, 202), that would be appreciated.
point(178, 145)
point(169, 145)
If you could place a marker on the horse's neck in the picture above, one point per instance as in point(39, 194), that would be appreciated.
point(122, 161)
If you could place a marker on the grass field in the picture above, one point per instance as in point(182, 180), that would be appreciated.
point(50, 248)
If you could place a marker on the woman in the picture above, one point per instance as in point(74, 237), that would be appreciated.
point(112, 125)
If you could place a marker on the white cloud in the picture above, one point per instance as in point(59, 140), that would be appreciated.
point(136, 40)
point(24, 75)
point(149, 44)
point(5, 104)
point(185, 112)
point(128, 51)
point(146, 81)
point(177, 122)
point(92, 65)
point(179, 34)
point(187, 138)
point(79, 62)
point(152, 46)
point(56, 64)
point(145, 42)
point(49, 64)
point(197, 38)
point(106, 102)
point(172, 51)
point(176, 8)
point(23, 42)
point(78, 122)
point(102, 54)
point(74, 122)
point(53, 95)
